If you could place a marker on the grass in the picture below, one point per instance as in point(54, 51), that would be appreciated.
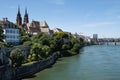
point(29, 63)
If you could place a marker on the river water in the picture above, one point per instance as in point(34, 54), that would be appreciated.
point(99, 62)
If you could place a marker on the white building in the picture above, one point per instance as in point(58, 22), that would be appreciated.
point(11, 31)
point(87, 39)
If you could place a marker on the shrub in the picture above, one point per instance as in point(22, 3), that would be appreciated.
point(17, 57)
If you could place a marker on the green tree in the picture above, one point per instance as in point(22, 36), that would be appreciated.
point(27, 43)
point(22, 32)
point(66, 47)
point(61, 34)
point(41, 38)
point(56, 43)
point(46, 51)
point(25, 38)
point(17, 57)
point(10, 44)
point(2, 44)
point(76, 47)
point(35, 52)
point(44, 45)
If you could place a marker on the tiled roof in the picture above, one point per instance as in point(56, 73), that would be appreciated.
point(43, 24)
point(36, 26)
point(7, 24)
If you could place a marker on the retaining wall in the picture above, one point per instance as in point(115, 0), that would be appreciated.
point(9, 73)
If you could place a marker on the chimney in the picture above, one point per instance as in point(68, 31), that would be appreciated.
point(5, 19)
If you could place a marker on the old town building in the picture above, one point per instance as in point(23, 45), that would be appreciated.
point(11, 31)
point(37, 27)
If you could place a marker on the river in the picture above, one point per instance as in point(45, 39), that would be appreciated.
point(98, 62)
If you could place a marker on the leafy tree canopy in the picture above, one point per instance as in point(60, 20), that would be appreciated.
point(17, 57)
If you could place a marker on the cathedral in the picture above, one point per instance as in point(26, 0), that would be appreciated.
point(34, 27)
point(19, 18)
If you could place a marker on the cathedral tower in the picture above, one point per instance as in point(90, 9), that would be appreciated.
point(19, 19)
point(26, 17)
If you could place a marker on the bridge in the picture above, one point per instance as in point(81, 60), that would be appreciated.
point(108, 41)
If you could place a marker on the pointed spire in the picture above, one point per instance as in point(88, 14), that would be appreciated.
point(25, 10)
point(18, 9)
point(26, 17)
point(19, 18)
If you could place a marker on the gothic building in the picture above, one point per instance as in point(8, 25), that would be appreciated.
point(19, 18)
point(34, 27)
point(26, 17)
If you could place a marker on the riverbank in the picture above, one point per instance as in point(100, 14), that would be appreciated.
point(10, 73)
point(58, 58)
point(96, 62)
point(42, 49)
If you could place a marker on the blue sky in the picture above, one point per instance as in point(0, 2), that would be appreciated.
point(86, 17)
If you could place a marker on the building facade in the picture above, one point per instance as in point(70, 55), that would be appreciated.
point(36, 27)
point(95, 36)
point(11, 31)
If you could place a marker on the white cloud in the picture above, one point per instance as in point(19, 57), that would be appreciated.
point(98, 24)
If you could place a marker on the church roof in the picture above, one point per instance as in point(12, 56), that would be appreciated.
point(36, 26)
point(43, 24)
point(32, 29)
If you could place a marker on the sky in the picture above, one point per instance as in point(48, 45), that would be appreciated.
point(86, 17)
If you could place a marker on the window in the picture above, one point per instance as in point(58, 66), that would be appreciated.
point(10, 31)
point(17, 31)
point(13, 36)
point(6, 36)
point(17, 37)
point(7, 31)
point(13, 31)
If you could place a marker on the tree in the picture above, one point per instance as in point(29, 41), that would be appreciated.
point(46, 51)
point(17, 57)
point(56, 43)
point(2, 44)
point(1, 34)
point(25, 38)
point(35, 52)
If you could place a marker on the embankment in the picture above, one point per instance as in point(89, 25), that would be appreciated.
point(9, 73)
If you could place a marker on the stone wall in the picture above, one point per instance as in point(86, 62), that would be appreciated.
point(35, 67)
point(9, 73)
point(6, 51)
point(6, 73)
point(1, 71)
